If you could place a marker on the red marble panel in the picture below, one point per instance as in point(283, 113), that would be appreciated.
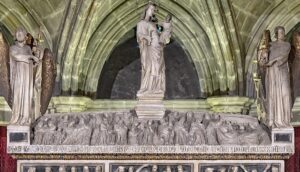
point(7, 163)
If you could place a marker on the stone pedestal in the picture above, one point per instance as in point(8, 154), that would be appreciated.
point(18, 135)
point(282, 136)
point(150, 106)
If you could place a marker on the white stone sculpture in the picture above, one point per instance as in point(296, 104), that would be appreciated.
point(277, 80)
point(153, 65)
point(175, 129)
point(21, 72)
point(153, 78)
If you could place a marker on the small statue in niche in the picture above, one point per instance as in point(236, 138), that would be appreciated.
point(98, 169)
point(180, 168)
point(211, 129)
point(62, 169)
point(133, 134)
point(209, 169)
point(121, 131)
point(197, 133)
point(69, 140)
point(181, 134)
point(165, 132)
point(189, 120)
point(86, 169)
point(222, 169)
point(95, 123)
point(49, 136)
point(18, 83)
point(120, 169)
point(149, 133)
point(39, 133)
point(32, 169)
point(83, 132)
point(154, 168)
point(278, 93)
point(48, 169)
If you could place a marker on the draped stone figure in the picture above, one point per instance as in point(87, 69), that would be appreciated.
point(17, 77)
point(151, 50)
point(21, 73)
point(152, 38)
point(278, 93)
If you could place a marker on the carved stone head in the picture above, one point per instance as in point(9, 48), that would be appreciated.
point(279, 33)
point(21, 34)
point(149, 11)
point(154, 168)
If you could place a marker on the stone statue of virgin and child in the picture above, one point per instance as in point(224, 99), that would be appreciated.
point(152, 37)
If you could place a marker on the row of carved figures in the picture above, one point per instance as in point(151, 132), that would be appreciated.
point(126, 129)
point(63, 169)
point(213, 168)
point(162, 168)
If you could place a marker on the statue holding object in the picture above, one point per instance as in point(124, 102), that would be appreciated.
point(274, 58)
point(17, 65)
point(152, 38)
point(151, 42)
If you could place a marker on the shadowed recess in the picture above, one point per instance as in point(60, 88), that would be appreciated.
point(121, 75)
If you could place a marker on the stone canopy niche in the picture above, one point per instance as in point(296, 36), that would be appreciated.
point(121, 75)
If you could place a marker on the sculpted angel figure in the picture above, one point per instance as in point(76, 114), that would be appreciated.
point(278, 93)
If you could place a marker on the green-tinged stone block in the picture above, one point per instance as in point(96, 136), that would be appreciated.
point(69, 104)
point(229, 104)
point(295, 121)
point(5, 112)
point(111, 105)
point(187, 105)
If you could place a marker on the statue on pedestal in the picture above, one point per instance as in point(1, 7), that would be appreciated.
point(21, 73)
point(277, 81)
point(152, 38)
point(17, 66)
point(153, 65)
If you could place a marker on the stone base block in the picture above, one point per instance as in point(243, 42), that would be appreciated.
point(282, 136)
point(18, 135)
point(150, 107)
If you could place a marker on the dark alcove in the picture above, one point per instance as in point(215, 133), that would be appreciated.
point(121, 74)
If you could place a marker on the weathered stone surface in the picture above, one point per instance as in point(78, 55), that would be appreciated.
point(125, 128)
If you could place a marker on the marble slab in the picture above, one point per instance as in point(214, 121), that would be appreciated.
point(204, 149)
